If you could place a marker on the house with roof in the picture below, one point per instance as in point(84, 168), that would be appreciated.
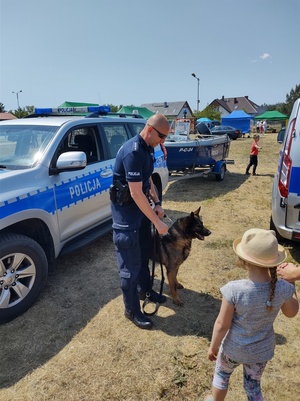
point(7, 116)
point(171, 110)
point(227, 105)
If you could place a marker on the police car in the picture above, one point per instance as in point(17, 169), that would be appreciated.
point(285, 218)
point(56, 168)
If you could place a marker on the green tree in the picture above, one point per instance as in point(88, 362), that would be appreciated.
point(209, 112)
point(290, 100)
point(23, 112)
point(114, 108)
point(2, 108)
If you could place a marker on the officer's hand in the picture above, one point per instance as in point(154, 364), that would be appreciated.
point(159, 211)
point(161, 228)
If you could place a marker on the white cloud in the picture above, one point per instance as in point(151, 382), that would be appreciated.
point(265, 56)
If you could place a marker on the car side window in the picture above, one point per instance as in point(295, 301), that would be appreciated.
point(137, 128)
point(116, 135)
point(83, 139)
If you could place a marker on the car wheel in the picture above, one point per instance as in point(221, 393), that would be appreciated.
point(221, 175)
point(23, 272)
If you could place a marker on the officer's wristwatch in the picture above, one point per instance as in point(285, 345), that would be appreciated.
point(157, 203)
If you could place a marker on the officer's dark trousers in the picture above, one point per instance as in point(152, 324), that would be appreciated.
point(133, 250)
point(146, 250)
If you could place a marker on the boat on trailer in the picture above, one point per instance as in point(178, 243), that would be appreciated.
point(204, 154)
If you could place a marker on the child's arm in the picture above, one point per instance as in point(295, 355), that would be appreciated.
point(291, 307)
point(258, 147)
point(221, 326)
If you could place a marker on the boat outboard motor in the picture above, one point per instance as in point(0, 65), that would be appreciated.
point(203, 129)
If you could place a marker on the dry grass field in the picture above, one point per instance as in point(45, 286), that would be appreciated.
point(74, 344)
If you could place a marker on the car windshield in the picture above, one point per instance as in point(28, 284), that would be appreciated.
point(21, 146)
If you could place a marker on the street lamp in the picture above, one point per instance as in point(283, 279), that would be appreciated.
point(17, 94)
point(198, 79)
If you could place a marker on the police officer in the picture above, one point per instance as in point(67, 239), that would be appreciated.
point(132, 214)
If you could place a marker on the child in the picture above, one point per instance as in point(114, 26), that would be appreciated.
point(243, 329)
point(253, 155)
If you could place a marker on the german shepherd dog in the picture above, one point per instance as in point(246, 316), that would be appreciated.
point(174, 248)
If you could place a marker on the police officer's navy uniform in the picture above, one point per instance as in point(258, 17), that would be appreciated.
point(131, 233)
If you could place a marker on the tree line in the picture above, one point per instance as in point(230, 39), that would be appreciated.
point(208, 111)
point(284, 108)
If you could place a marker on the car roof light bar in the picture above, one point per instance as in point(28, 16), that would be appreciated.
point(69, 110)
point(86, 111)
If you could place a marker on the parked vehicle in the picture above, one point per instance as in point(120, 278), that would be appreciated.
point(205, 154)
point(232, 132)
point(214, 123)
point(280, 135)
point(55, 174)
point(285, 218)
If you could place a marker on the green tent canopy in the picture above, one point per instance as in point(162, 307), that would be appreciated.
point(272, 115)
point(77, 104)
point(143, 111)
point(67, 104)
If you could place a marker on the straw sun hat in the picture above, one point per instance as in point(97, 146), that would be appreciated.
point(260, 248)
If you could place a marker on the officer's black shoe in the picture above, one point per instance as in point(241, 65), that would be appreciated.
point(140, 320)
point(154, 297)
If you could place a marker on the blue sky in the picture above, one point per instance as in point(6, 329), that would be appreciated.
point(137, 51)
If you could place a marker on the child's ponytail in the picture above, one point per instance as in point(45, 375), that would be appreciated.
point(272, 287)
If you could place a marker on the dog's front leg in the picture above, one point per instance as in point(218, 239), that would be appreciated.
point(172, 274)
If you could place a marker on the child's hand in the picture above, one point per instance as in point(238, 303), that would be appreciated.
point(212, 355)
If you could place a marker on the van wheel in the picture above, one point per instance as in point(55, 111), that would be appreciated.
point(272, 227)
point(23, 272)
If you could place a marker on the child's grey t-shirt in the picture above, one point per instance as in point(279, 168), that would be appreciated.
point(251, 338)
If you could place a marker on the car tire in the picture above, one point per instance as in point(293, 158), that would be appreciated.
point(23, 273)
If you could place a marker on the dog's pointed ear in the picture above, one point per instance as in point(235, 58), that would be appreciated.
point(197, 211)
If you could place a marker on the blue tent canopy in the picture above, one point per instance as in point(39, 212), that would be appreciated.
point(204, 120)
point(239, 120)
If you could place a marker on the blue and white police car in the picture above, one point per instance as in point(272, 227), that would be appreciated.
point(285, 218)
point(56, 168)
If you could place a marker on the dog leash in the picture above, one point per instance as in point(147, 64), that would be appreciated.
point(148, 294)
point(167, 217)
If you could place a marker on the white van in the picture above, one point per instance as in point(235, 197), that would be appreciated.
point(285, 218)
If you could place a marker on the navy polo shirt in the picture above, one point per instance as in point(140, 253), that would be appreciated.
point(134, 163)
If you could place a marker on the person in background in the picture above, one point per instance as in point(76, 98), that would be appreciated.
point(243, 332)
point(253, 155)
point(257, 127)
point(132, 215)
point(265, 126)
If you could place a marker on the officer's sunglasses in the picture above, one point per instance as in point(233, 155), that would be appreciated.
point(160, 135)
